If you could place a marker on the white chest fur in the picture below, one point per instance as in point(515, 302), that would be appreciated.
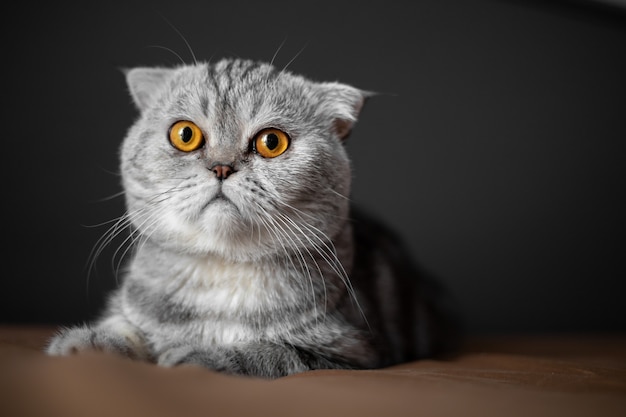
point(233, 288)
point(229, 302)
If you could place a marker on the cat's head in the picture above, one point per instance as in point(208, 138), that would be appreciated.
point(237, 158)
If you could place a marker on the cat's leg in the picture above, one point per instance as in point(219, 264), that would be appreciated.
point(267, 360)
point(113, 334)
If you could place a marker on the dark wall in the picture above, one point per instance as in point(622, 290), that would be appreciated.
point(496, 147)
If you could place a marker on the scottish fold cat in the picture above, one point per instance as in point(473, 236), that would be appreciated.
point(248, 256)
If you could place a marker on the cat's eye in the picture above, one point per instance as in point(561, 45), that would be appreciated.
point(270, 143)
point(186, 136)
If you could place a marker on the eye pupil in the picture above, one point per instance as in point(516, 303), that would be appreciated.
point(186, 134)
point(271, 141)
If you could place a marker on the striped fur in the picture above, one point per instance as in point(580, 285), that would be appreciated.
point(270, 271)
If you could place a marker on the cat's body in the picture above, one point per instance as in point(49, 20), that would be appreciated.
point(249, 258)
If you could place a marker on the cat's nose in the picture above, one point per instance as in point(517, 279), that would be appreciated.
point(222, 171)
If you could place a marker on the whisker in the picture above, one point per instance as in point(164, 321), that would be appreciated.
point(302, 234)
point(301, 213)
point(182, 37)
point(278, 229)
point(130, 241)
point(93, 226)
point(275, 234)
point(321, 274)
point(294, 58)
point(329, 254)
point(107, 198)
point(277, 50)
point(121, 224)
point(169, 50)
point(339, 194)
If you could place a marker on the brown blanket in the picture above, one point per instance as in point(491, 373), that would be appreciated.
point(574, 375)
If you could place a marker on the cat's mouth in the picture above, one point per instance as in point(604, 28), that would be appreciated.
point(219, 198)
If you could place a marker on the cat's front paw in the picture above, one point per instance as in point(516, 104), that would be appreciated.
point(70, 341)
point(74, 340)
point(190, 355)
point(185, 355)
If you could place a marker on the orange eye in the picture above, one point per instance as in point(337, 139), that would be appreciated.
point(270, 143)
point(186, 136)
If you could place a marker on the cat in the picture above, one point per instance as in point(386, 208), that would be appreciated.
point(249, 257)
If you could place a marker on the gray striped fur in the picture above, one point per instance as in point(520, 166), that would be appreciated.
point(280, 275)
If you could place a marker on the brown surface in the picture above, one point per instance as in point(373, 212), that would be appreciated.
point(576, 375)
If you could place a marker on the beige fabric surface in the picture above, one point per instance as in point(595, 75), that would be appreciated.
point(541, 375)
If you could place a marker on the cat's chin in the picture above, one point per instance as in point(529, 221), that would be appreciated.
point(222, 230)
point(221, 217)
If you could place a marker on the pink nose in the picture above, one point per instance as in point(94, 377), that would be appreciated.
point(222, 171)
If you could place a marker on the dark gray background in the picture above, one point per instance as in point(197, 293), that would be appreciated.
point(496, 147)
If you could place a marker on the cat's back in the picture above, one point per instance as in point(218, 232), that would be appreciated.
point(404, 304)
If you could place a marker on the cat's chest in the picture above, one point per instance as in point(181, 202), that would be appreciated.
point(216, 287)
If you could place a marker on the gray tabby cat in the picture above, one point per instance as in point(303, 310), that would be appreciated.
point(248, 257)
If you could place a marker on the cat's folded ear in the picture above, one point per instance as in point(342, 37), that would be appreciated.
point(343, 103)
point(144, 83)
